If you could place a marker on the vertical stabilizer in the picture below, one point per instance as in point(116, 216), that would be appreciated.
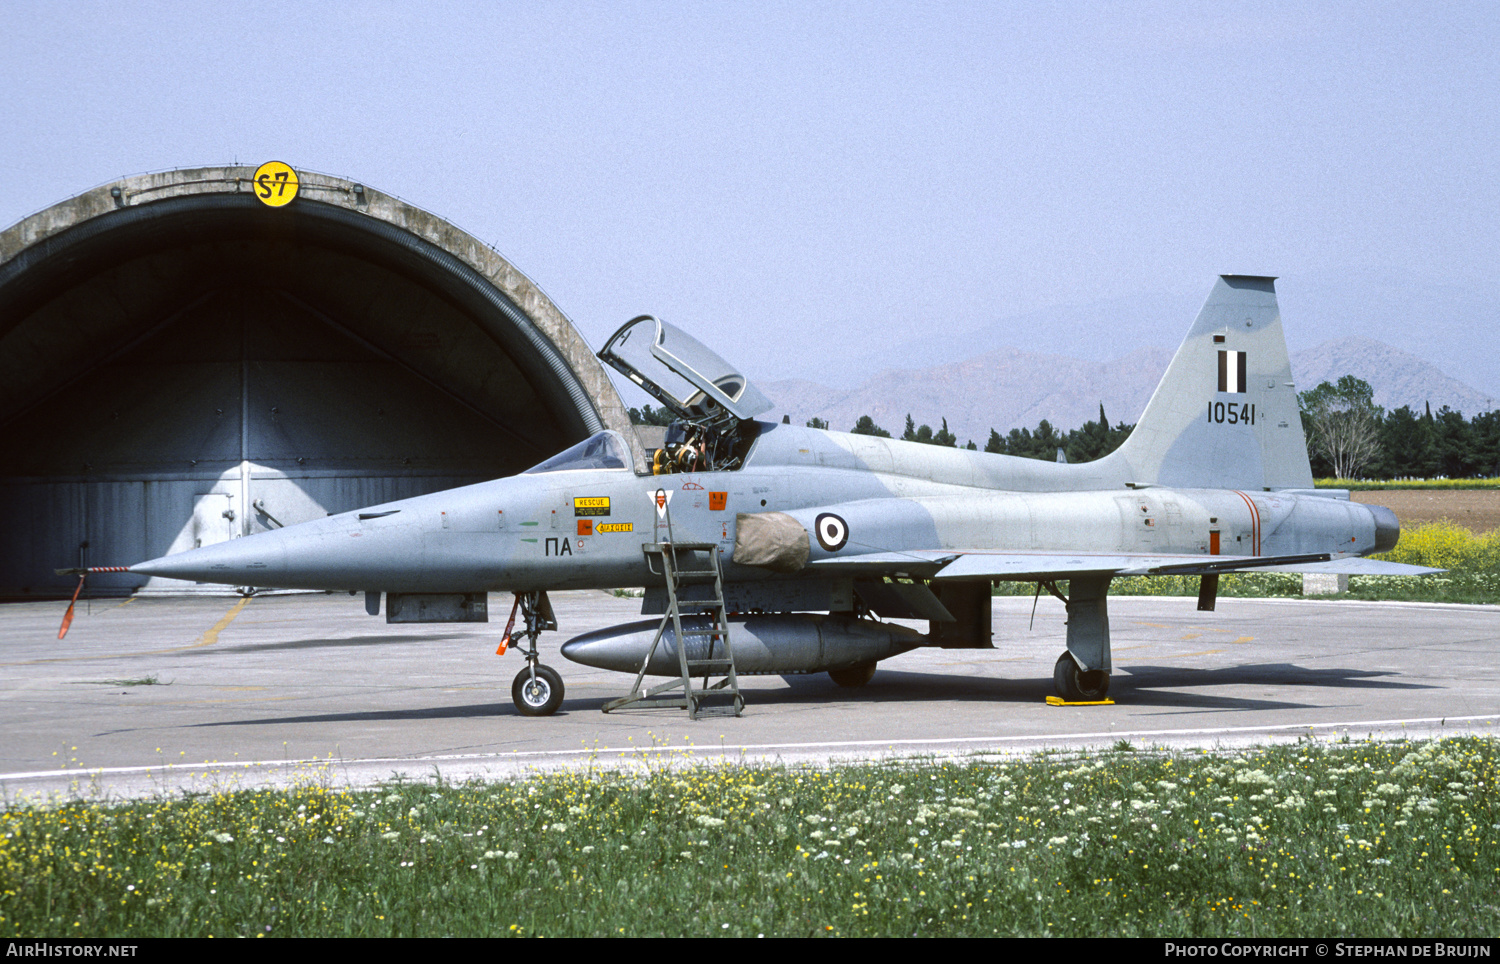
point(1225, 414)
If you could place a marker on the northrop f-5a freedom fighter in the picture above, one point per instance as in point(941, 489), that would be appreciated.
point(774, 549)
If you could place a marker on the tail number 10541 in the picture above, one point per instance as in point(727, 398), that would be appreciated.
point(1219, 412)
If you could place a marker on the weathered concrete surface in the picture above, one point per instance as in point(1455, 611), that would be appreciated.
point(309, 687)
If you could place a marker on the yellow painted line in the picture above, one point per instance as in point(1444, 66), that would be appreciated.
point(1243, 639)
point(1188, 636)
point(212, 636)
point(1206, 652)
point(1157, 625)
point(207, 639)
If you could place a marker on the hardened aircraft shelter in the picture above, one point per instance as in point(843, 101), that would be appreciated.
point(196, 355)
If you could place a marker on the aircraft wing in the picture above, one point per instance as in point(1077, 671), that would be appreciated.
point(986, 564)
point(922, 562)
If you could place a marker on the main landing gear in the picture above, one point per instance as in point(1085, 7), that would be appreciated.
point(1081, 673)
point(538, 689)
point(1079, 685)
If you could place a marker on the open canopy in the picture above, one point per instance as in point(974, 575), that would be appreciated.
point(681, 373)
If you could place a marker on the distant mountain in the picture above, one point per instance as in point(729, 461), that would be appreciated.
point(1010, 388)
point(1000, 389)
point(1097, 331)
point(1452, 327)
point(1398, 377)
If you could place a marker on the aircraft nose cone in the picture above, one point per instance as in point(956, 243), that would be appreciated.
point(249, 561)
point(1387, 528)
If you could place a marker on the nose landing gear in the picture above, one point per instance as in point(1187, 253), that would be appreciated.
point(538, 689)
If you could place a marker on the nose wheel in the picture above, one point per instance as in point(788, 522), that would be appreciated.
point(537, 689)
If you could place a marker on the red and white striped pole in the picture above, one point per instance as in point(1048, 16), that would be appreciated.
point(82, 574)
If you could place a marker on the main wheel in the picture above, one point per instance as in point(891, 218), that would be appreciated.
point(854, 676)
point(537, 697)
point(1078, 686)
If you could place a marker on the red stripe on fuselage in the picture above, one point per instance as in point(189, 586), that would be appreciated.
point(1254, 523)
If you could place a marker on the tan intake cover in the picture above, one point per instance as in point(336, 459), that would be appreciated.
point(771, 540)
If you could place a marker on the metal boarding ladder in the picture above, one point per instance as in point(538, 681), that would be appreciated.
point(711, 660)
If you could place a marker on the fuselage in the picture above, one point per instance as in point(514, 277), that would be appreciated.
point(584, 528)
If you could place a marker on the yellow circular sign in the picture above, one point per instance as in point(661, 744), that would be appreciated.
point(275, 183)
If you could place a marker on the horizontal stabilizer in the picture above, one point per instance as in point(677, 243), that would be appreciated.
point(1204, 566)
point(1360, 567)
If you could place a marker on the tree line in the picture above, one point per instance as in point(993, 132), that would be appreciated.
point(1093, 441)
point(1350, 437)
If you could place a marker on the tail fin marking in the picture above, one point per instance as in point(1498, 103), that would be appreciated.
point(1225, 414)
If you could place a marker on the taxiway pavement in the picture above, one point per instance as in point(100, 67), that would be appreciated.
point(159, 694)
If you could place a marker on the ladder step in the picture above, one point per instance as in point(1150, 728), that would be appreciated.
point(697, 571)
point(647, 702)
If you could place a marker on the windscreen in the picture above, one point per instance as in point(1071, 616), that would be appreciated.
point(603, 451)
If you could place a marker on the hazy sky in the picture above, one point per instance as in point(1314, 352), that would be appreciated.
point(793, 182)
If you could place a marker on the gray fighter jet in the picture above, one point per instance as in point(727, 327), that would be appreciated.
point(797, 546)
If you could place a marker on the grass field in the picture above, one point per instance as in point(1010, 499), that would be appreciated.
point(1311, 839)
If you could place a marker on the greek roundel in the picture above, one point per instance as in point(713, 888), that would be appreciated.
point(832, 531)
